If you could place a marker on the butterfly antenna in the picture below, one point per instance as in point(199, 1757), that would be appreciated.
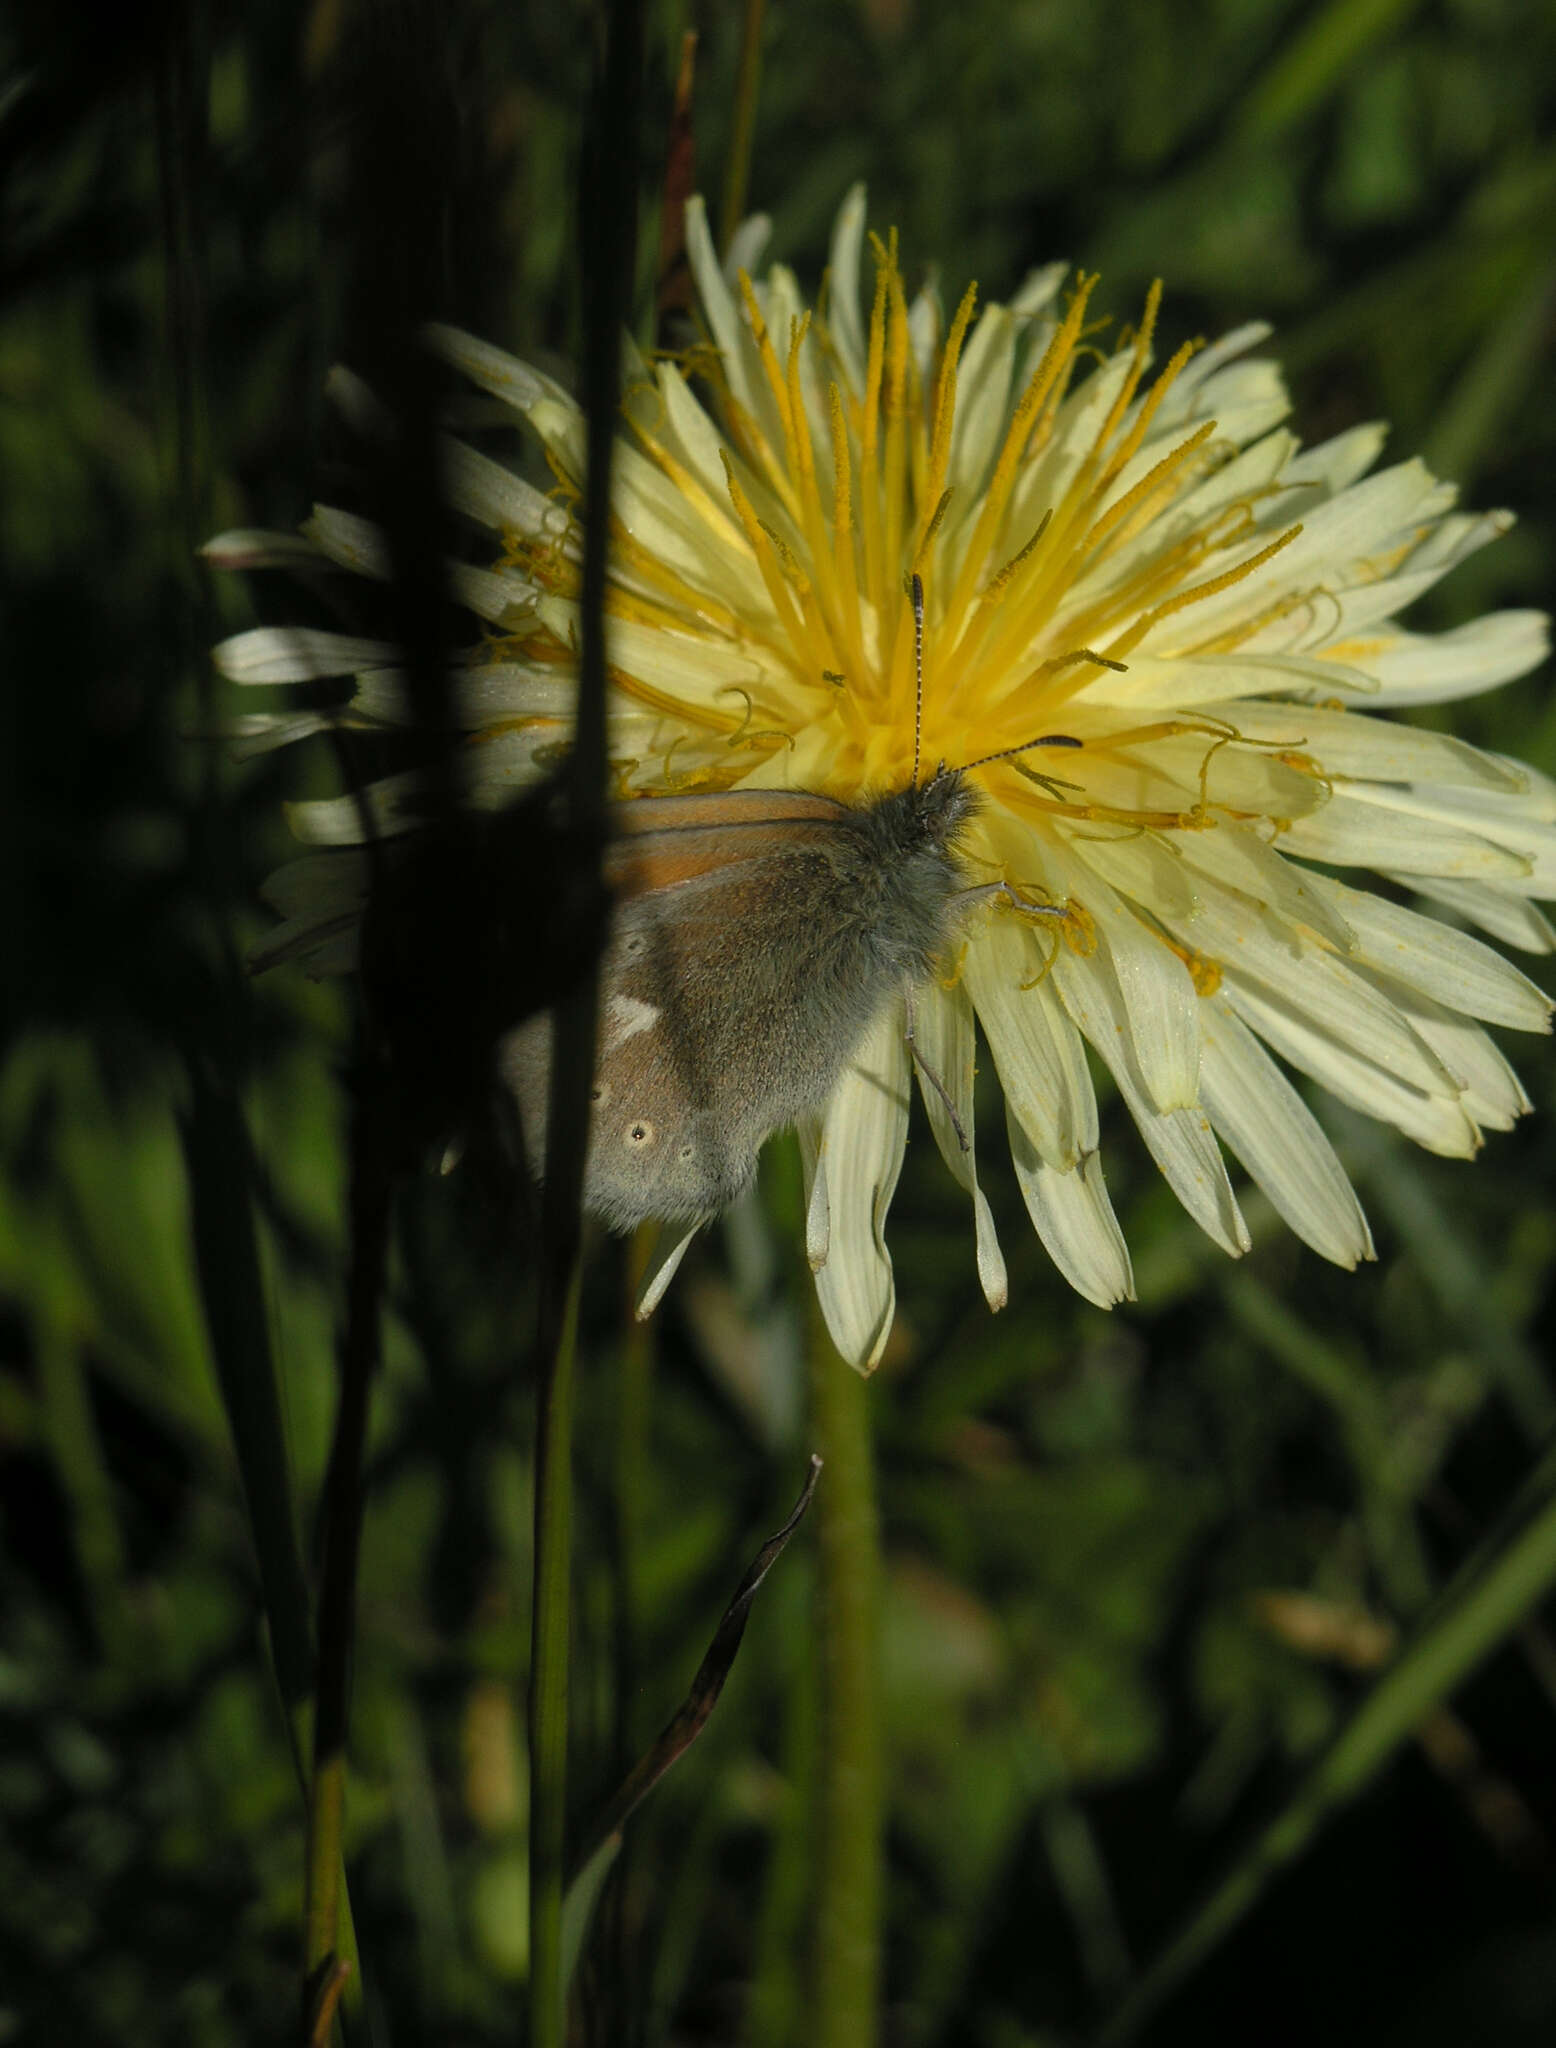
point(1047, 739)
point(917, 591)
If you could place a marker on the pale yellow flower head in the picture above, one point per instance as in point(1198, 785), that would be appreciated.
point(1137, 556)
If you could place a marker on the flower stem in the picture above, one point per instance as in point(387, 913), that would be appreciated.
point(849, 1887)
point(371, 1185)
point(608, 210)
point(737, 170)
point(548, 1670)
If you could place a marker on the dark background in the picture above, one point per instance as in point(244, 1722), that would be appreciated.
point(1092, 1701)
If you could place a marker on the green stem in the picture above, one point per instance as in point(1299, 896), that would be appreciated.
point(371, 1182)
point(850, 1886)
point(548, 1672)
point(1491, 1596)
point(737, 171)
point(608, 208)
point(633, 1403)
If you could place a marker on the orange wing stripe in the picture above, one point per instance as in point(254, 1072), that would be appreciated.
point(700, 810)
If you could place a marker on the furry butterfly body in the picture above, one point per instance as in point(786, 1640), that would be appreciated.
point(755, 937)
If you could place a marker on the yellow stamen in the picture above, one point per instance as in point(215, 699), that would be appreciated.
point(936, 519)
point(870, 420)
point(813, 520)
point(690, 487)
point(1130, 640)
point(894, 457)
point(1141, 355)
point(845, 566)
point(1003, 480)
point(1154, 482)
point(778, 470)
point(945, 410)
point(1203, 972)
point(760, 539)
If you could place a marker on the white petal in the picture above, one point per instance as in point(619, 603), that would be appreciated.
point(718, 303)
point(864, 1131)
point(321, 951)
point(483, 490)
point(320, 897)
point(698, 442)
point(943, 1032)
point(982, 406)
point(1508, 917)
point(818, 1210)
point(666, 1256)
point(1493, 1094)
point(1349, 744)
point(356, 544)
point(1447, 965)
point(358, 405)
point(1180, 1141)
point(1159, 999)
point(1149, 866)
point(1315, 983)
point(1356, 828)
point(1516, 823)
point(1456, 537)
point(296, 654)
point(1335, 464)
point(1418, 668)
point(1252, 471)
point(926, 325)
point(493, 775)
point(686, 667)
point(1260, 1115)
point(1330, 552)
point(1045, 481)
point(1208, 363)
point(1041, 1065)
point(746, 245)
point(251, 547)
point(517, 384)
point(253, 733)
point(1074, 1218)
point(1206, 682)
point(498, 595)
point(845, 315)
point(317, 884)
point(1239, 859)
point(1438, 1122)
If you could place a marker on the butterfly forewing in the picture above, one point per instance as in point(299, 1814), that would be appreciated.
point(756, 934)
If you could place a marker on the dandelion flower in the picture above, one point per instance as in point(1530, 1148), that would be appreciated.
point(1140, 558)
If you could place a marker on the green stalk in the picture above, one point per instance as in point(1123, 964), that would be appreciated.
point(737, 171)
point(548, 1673)
point(1491, 1596)
point(850, 1879)
point(371, 1182)
point(608, 210)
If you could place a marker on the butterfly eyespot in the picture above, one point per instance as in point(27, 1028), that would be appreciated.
point(634, 943)
point(640, 1133)
point(600, 1092)
point(688, 1151)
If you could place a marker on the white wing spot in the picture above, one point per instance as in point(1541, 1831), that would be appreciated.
point(627, 1017)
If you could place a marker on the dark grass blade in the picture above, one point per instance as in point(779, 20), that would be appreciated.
point(1499, 1586)
point(691, 1717)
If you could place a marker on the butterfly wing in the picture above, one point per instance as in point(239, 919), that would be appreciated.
point(731, 993)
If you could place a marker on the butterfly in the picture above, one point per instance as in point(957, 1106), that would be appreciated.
point(755, 937)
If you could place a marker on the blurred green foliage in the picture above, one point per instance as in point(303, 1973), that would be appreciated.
point(1092, 1698)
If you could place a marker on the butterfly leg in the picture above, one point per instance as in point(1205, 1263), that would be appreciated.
point(985, 892)
point(928, 1071)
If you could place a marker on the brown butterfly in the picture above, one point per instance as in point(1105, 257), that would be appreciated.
point(756, 936)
